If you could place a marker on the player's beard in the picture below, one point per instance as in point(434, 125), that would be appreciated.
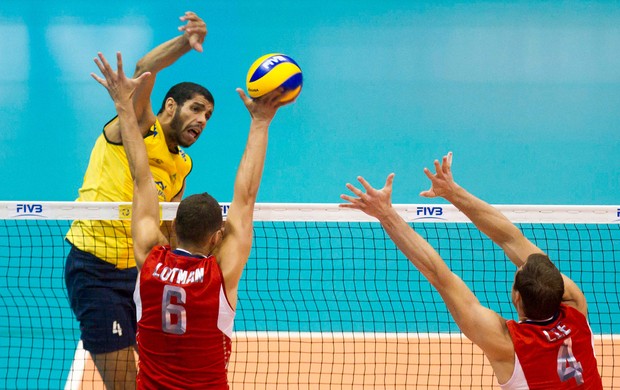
point(176, 127)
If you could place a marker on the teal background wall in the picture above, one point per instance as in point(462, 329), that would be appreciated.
point(525, 93)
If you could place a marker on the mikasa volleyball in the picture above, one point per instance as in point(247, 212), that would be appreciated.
point(272, 71)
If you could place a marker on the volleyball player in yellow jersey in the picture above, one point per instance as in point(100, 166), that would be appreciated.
point(100, 271)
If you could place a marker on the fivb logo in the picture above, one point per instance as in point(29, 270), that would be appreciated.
point(29, 210)
point(224, 207)
point(429, 212)
point(273, 61)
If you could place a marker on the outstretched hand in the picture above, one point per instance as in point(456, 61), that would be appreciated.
point(373, 202)
point(263, 108)
point(195, 29)
point(120, 88)
point(442, 182)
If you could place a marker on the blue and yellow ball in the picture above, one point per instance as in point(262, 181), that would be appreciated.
point(272, 71)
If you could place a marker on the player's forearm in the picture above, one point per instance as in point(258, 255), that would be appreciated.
point(419, 252)
point(133, 143)
point(250, 169)
point(163, 55)
point(487, 218)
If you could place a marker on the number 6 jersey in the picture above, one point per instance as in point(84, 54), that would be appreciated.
point(184, 322)
point(555, 354)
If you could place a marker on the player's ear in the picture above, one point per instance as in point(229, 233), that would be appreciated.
point(170, 106)
point(216, 238)
point(516, 299)
point(173, 226)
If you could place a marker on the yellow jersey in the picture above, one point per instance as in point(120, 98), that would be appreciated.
point(107, 179)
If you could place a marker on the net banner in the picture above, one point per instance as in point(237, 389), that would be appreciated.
point(325, 212)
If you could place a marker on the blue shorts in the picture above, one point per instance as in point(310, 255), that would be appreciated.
point(101, 297)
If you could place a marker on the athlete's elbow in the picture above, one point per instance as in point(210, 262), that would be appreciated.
point(143, 66)
point(246, 194)
point(441, 281)
point(142, 184)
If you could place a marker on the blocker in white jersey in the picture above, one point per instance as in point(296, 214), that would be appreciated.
point(181, 303)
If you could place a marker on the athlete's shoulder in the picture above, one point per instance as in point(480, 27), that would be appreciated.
point(111, 132)
point(571, 311)
point(183, 154)
point(160, 248)
point(158, 252)
point(155, 131)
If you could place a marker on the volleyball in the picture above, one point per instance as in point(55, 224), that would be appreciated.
point(272, 71)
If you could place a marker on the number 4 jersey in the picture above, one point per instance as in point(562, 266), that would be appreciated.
point(556, 354)
point(184, 322)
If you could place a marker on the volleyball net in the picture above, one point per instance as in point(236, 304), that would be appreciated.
point(326, 299)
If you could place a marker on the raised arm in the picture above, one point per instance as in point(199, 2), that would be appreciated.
point(235, 248)
point(145, 206)
point(492, 223)
point(162, 56)
point(482, 326)
point(487, 218)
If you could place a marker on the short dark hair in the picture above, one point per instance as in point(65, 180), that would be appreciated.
point(182, 92)
point(541, 286)
point(198, 216)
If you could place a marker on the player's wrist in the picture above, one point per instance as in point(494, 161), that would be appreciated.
point(124, 107)
point(259, 122)
point(387, 214)
point(453, 193)
point(186, 41)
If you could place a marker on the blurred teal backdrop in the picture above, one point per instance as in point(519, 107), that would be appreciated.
point(525, 93)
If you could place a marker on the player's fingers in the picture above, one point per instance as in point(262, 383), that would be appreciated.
point(438, 170)
point(104, 71)
point(191, 28)
point(286, 103)
point(142, 77)
point(99, 65)
point(119, 63)
point(192, 19)
point(365, 184)
point(99, 79)
point(195, 23)
point(444, 164)
point(350, 206)
point(107, 71)
point(194, 42)
point(272, 97)
point(389, 181)
point(354, 190)
point(427, 194)
point(189, 15)
point(241, 93)
point(199, 30)
point(348, 198)
point(105, 62)
point(246, 100)
point(428, 173)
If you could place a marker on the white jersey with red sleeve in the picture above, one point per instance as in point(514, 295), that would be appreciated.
point(184, 322)
point(555, 354)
